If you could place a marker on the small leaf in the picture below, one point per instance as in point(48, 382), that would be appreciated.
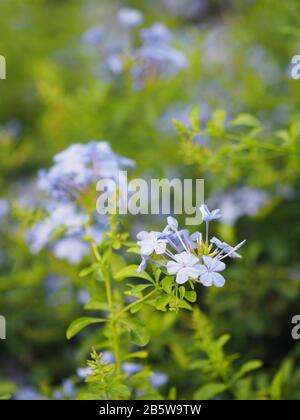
point(131, 271)
point(181, 292)
point(245, 119)
point(96, 306)
point(138, 332)
point(86, 271)
point(162, 301)
point(136, 291)
point(167, 284)
point(136, 308)
point(80, 323)
point(117, 263)
point(134, 250)
point(191, 296)
point(195, 118)
point(183, 304)
point(247, 367)
point(209, 391)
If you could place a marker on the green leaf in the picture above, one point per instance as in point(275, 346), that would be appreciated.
point(134, 250)
point(162, 301)
point(86, 271)
point(209, 391)
point(80, 323)
point(117, 263)
point(131, 271)
point(247, 367)
point(183, 304)
point(167, 284)
point(96, 306)
point(137, 355)
point(138, 332)
point(245, 119)
point(195, 118)
point(181, 292)
point(191, 296)
point(136, 308)
point(136, 291)
point(119, 391)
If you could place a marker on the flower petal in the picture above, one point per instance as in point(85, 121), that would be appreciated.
point(160, 247)
point(146, 249)
point(173, 267)
point(182, 276)
point(218, 279)
point(206, 279)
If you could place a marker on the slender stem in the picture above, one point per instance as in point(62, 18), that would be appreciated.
point(207, 230)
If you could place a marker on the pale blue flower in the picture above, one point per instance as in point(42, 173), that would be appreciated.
point(27, 393)
point(114, 64)
point(186, 266)
point(4, 208)
point(143, 265)
point(131, 368)
point(151, 242)
point(69, 389)
point(227, 249)
point(156, 34)
point(158, 379)
point(208, 215)
point(84, 372)
point(244, 201)
point(129, 18)
point(94, 36)
point(71, 249)
point(79, 166)
point(172, 223)
point(83, 296)
point(209, 272)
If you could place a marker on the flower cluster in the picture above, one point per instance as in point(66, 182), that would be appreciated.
point(154, 56)
point(67, 223)
point(188, 257)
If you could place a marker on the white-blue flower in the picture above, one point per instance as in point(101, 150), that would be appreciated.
point(150, 242)
point(209, 272)
point(208, 215)
point(228, 249)
point(186, 266)
point(129, 18)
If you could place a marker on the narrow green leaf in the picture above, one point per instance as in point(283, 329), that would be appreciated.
point(80, 323)
point(131, 271)
point(209, 391)
point(247, 367)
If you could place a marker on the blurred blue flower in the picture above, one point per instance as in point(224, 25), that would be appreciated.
point(84, 372)
point(129, 18)
point(4, 208)
point(158, 379)
point(94, 36)
point(131, 368)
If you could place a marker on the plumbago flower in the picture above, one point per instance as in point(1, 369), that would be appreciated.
point(188, 257)
point(69, 224)
point(153, 56)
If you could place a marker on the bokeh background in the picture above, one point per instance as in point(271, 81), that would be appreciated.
point(69, 80)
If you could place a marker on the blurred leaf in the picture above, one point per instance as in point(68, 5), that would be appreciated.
point(81, 323)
